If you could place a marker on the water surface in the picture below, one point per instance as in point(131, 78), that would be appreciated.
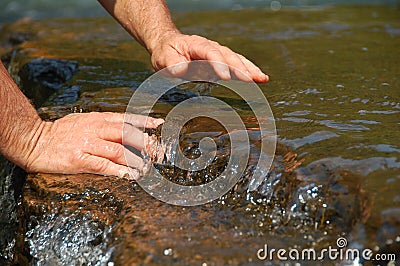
point(335, 94)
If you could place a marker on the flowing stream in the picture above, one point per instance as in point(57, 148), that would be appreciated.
point(335, 95)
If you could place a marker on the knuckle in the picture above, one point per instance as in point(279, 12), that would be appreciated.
point(79, 158)
point(216, 43)
point(99, 166)
point(233, 57)
point(86, 143)
point(99, 127)
point(95, 114)
point(226, 49)
point(213, 52)
point(118, 151)
point(197, 37)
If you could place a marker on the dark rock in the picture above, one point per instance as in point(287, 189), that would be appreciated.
point(16, 38)
point(388, 235)
point(40, 78)
point(64, 96)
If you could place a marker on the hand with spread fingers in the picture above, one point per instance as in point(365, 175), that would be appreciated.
point(91, 143)
point(76, 143)
point(180, 48)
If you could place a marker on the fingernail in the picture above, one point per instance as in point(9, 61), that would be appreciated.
point(132, 174)
point(124, 174)
point(263, 75)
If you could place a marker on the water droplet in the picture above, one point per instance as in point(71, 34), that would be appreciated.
point(389, 242)
point(168, 252)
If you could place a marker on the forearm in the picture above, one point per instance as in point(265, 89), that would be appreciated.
point(19, 122)
point(148, 21)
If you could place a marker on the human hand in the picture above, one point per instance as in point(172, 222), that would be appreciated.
point(175, 48)
point(91, 143)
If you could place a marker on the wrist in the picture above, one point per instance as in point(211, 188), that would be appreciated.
point(36, 141)
point(158, 39)
point(22, 144)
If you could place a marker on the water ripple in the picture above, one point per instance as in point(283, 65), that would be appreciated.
point(342, 126)
point(310, 139)
point(378, 147)
point(361, 167)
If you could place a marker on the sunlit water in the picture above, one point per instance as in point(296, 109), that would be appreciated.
point(39, 9)
point(334, 91)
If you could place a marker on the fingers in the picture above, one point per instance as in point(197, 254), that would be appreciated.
point(203, 49)
point(116, 153)
point(135, 137)
point(103, 166)
point(243, 68)
point(142, 121)
point(91, 143)
point(133, 119)
point(112, 127)
point(186, 48)
point(255, 72)
point(126, 135)
point(108, 158)
point(238, 67)
point(107, 143)
point(177, 64)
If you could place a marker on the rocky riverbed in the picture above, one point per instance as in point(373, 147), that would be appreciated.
point(335, 173)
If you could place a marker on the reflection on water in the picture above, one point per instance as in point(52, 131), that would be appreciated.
point(335, 95)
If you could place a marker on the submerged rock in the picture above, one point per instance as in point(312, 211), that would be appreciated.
point(89, 219)
point(125, 225)
point(40, 78)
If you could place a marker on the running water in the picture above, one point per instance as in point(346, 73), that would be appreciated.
point(334, 93)
point(16, 9)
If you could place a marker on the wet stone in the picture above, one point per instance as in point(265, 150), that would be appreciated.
point(40, 78)
point(302, 201)
point(121, 219)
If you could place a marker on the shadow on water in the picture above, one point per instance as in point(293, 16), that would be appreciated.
point(334, 93)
